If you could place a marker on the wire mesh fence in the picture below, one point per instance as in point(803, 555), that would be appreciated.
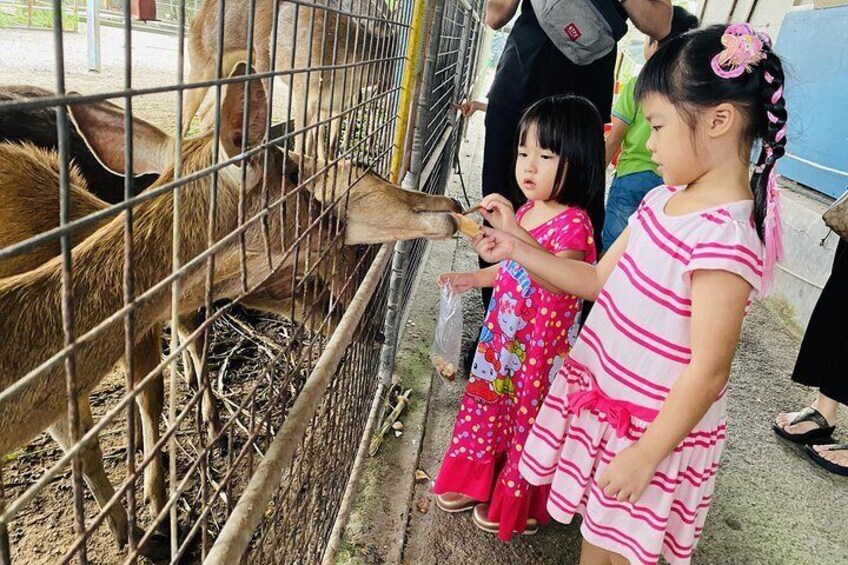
point(195, 320)
point(448, 81)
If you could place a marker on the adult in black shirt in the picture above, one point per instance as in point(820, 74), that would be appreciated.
point(530, 69)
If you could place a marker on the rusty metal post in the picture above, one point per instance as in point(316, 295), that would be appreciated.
point(394, 308)
point(419, 75)
point(413, 53)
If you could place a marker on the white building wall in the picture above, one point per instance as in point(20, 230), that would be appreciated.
point(762, 14)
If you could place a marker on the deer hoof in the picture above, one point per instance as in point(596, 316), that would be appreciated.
point(158, 548)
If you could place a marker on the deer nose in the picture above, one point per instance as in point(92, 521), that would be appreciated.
point(457, 205)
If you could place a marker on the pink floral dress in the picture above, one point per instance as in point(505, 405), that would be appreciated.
point(525, 338)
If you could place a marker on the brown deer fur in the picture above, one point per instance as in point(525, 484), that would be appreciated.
point(306, 37)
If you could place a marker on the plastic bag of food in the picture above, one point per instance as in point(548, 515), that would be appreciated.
point(444, 352)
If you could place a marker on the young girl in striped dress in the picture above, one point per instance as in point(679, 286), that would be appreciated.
point(633, 427)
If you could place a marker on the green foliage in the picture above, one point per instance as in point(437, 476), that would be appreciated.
point(37, 17)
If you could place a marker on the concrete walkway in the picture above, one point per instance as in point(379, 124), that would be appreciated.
point(772, 505)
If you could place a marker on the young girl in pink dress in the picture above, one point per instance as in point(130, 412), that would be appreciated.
point(632, 430)
point(525, 335)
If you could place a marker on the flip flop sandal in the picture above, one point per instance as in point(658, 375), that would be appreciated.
point(452, 506)
point(815, 436)
point(824, 463)
point(480, 517)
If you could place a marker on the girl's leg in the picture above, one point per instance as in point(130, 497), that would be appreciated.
point(594, 555)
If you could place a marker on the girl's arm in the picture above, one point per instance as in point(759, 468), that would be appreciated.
point(567, 275)
point(718, 307)
point(463, 282)
point(614, 138)
point(569, 255)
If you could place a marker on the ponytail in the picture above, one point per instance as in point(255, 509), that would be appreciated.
point(764, 180)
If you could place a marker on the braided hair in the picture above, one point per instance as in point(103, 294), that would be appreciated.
point(682, 72)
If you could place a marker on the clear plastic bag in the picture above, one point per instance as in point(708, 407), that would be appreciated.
point(447, 341)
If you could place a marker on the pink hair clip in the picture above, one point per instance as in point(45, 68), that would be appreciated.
point(743, 48)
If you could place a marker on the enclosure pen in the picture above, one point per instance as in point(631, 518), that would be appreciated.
point(254, 287)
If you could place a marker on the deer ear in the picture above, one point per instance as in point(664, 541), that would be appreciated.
point(232, 112)
point(102, 127)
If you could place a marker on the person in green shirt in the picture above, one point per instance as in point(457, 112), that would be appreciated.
point(635, 173)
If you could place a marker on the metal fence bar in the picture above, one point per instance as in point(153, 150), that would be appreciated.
point(74, 427)
point(129, 281)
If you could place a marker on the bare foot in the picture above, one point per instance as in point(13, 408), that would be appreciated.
point(837, 456)
point(784, 418)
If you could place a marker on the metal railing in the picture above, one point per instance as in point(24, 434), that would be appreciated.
point(231, 270)
point(447, 81)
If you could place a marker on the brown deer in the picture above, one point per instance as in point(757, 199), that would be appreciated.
point(409, 214)
point(30, 303)
point(306, 37)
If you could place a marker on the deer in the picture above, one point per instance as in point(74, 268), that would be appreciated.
point(38, 127)
point(306, 37)
point(30, 302)
point(416, 215)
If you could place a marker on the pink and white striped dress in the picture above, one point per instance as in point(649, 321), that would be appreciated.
point(634, 346)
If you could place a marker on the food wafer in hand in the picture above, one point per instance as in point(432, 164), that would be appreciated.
point(468, 226)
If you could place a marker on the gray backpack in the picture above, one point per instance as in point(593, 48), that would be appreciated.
point(584, 30)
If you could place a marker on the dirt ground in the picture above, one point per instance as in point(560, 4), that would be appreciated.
point(772, 505)
point(154, 64)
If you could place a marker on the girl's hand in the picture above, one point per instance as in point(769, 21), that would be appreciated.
point(494, 246)
point(498, 211)
point(459, 282)
point(628, 475)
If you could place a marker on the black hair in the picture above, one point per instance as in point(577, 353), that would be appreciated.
point(571, 127)
point(682, 20)
point(681, 71)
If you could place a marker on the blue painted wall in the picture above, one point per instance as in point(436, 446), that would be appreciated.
point(814, 46)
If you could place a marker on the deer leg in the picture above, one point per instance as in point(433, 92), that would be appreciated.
point(151, 401)
point(92, 468)
point(188, 324)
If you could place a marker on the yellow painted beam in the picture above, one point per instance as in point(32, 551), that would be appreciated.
point(413, 53)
